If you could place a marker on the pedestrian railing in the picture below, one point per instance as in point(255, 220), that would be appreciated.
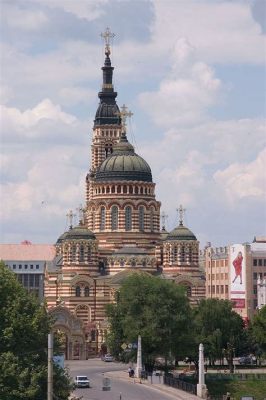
point(235, 377)
point(180, 384)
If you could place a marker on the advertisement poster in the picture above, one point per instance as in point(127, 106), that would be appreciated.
point(238, 275)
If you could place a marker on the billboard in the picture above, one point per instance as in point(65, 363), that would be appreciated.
point(238, 275)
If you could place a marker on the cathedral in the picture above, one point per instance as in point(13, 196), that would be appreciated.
point(118, 234)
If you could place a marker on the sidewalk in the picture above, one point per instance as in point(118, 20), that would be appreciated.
point(179, 394)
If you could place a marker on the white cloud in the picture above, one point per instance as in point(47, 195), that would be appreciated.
point(240, 180)
point(184, 96)
point(223, 32)
point(83, 9)
point(24, 19)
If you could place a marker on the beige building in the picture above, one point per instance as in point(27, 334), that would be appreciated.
point(119, 234)
point(232, 273)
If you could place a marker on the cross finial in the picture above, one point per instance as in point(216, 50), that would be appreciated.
point(70, 215)
point(123, 114)
point(164, 218)
point(81, 214)
point(181, 212)
point(107, 36)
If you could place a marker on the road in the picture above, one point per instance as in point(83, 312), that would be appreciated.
point(122, 388)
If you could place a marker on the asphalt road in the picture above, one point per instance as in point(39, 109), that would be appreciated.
point(121, 389)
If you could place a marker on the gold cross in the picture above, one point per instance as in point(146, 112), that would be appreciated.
point(107, 35)
point(181, 212)
point(70, 215)
point(123, 114)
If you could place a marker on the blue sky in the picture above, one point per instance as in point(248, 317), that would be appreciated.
point(193, 74)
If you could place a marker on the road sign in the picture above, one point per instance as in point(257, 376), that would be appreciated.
point(124, 346)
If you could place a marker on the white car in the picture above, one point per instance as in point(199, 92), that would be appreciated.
point(108, 358)
point(82, 381)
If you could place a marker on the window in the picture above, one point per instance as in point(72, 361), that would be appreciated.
point(89, 253)
point(151, 220)
point(217, 289)
point(264, 262)
point(128, 218)
point(26, 280)
point(37, 280)
point(175, 253)
point(87, 291)
point(226, 289)
point(255, 262)
point(255, 275)
point(31, 280)
point(78, 291)
point(37, 266)
point(189, 291)
point(222, 289)
point(114, 218)
point(260, 262)
point(141, 218)
point(102, 219)
point(81, 253)
point(255, 289)
point(25, 266)
point(20, 278)
point(14, 266)
point(31, 267)
point(73, 253)
point(20, 266)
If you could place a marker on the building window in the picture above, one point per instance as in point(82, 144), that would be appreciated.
point(217, 289)
point(128, 218)
point(189, 291)
point(114, 218)
point(255, 275)
point(89, 253)
point(78, 291)
point(260, 262)
point(20, 266)
point(73, 253)
point(182, 254)
point(255, 289)
point(222, 289)
point(255, 262)
point(37, 280)
point(37, 266)
point(25, 280)
point(32, 280)
point(14, 266)
point(226, 289)
point(81, 253)
point(175, 253)
point(31, 267)
point(25, 266)
point(264, 262)
point(141, 218)
point(102, 219)
point(151, 220)
point(87, 291)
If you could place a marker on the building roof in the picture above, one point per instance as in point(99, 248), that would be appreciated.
point(77, 233)
point(27, 251)
point(181, 233)
point(124, 164)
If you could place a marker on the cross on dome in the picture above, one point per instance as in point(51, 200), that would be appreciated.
point(164, 218)
point(181, 212)
point(107, 36)
point(70, 216)
point(123, 114)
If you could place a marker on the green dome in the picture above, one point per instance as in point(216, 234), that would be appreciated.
point(77, 233)
point(124, 164)
point(181, 233)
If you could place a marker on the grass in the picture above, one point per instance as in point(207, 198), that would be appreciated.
point(255, 388)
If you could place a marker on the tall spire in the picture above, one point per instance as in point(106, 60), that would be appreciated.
point(105, 114)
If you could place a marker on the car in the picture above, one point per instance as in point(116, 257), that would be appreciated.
point(82, 381)
point(247, 360)
point(108, 358)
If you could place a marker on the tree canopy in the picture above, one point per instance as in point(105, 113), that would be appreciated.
point(258, 331)
point(24, 327)
point(154, 308)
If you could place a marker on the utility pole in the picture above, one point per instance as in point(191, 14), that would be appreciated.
point(50, 368)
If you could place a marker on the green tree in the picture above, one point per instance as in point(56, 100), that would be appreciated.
point(258, 332)
point(24, 327)
point(154, 308)
point(219, 328)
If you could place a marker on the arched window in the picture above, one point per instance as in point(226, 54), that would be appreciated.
point(89, 253)
point(114, 218)
point(189, 291)
point(81, 253)
point(128, 218)
point(141, 218)
point(86, 291)
point(78, 291)
point(113, 189)
point(102, 219)
point(151, 220)
point(73, 253)
point(93, 218)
